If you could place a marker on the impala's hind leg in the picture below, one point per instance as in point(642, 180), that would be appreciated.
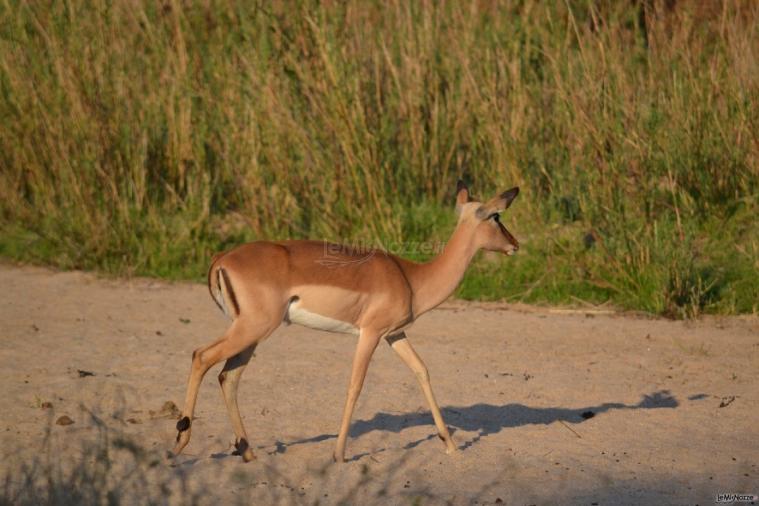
point(243, 333)
point(229, 378)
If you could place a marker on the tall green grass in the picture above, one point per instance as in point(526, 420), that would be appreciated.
point(138, 138)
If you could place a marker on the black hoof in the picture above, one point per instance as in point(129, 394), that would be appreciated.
point(240, 447)
point(183, 424)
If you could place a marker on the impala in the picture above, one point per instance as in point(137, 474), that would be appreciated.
point(262, 284)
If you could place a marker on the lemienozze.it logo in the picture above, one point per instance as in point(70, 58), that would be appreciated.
point(731, 498)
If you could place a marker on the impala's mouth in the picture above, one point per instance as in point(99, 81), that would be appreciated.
point(512, 240)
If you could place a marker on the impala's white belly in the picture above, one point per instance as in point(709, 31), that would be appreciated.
point(297, 314)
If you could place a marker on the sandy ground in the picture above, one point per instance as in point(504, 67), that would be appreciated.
point(547, 407)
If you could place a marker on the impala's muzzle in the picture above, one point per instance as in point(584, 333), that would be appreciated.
point(513, 245)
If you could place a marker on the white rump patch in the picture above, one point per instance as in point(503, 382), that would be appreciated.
point(296, 314)
point(221, 294)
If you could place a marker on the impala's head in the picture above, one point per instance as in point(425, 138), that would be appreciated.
point(484, 218)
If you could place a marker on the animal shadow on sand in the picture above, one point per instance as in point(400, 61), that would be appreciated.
point(485, 419)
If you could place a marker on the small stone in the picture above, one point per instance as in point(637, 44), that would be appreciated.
point(64, 420)
point(46, 405)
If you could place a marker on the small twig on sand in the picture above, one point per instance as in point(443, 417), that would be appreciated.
point(570, 429)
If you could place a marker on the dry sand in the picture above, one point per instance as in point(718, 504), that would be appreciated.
point(670, 408)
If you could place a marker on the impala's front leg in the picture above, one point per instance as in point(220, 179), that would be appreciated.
point(367, 343)
point(403, 348)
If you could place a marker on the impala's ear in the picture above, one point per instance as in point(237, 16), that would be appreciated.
point(497, 204)
point(508, 196)
point(462, 195)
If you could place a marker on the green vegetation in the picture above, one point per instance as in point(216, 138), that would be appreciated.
point(140, 138)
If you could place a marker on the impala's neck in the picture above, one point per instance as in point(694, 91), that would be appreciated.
point(435, 281)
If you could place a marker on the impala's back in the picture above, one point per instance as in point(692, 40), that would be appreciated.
point(316, 284)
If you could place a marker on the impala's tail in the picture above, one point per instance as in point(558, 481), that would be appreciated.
point(221, 288)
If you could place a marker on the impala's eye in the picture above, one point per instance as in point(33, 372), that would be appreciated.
point(496, 217)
